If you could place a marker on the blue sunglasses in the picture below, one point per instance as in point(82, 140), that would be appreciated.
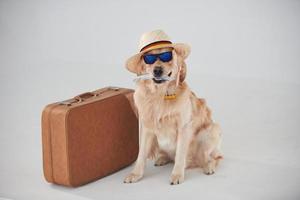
point(164, 57)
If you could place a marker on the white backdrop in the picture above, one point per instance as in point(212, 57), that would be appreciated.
point(244, 61)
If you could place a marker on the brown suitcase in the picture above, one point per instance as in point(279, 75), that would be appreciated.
point(89, 136)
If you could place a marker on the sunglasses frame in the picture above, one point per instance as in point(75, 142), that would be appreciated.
point(157, 56)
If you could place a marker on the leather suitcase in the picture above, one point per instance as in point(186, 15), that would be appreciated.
point(89, 136)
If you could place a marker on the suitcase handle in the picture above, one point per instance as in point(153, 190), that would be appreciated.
point(85, 96)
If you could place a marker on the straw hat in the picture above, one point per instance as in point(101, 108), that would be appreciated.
point(154, 40)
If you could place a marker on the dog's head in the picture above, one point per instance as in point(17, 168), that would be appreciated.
point(161, 63)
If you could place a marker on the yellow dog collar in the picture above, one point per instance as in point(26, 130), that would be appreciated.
point(170, 96)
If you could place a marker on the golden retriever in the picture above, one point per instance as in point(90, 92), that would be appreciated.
point(178, 129)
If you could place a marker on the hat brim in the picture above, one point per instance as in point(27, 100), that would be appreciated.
point(132, 64)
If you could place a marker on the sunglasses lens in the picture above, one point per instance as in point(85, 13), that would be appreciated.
point(166, 57)
point(150, 59)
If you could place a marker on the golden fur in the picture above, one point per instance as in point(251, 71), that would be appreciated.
point(179, 130)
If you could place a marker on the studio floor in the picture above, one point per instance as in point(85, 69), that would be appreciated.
point(260, 121)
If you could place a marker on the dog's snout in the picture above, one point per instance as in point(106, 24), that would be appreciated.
point(157, 71)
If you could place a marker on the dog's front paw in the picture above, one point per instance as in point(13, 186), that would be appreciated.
point(132, 178)
point(176, 179)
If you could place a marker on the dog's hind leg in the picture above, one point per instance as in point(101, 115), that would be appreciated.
point(209, 166)
point(162, 159)
point(210, 141)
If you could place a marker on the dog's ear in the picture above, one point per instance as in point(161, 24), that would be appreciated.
point(182, 72)
point(135, 65)
point(182, 50)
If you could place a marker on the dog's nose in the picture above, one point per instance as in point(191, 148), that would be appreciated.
point(157, 71)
